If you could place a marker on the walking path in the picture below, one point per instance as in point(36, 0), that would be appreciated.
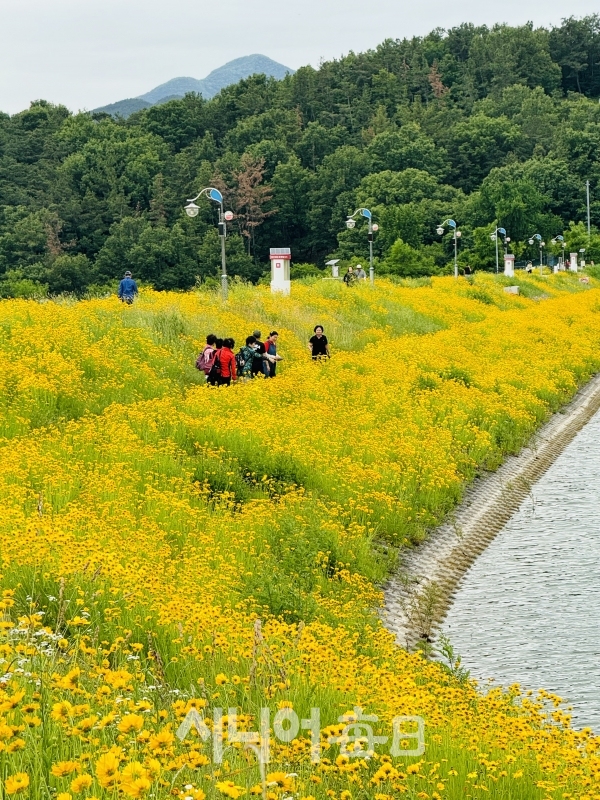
point(418, 597)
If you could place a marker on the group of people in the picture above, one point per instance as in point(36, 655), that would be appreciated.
point(256, 358)
point(354, 275)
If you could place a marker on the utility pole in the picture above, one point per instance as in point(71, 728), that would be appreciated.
point(587, 187)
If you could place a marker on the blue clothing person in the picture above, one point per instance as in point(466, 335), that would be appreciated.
point(127, 289)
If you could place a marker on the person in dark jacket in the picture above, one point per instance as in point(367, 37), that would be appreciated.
point(127, 289)
point(247, 356)
point(349, 277)
point(258, 364)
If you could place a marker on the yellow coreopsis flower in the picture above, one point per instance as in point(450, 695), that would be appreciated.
point(15, 784)
point(161, 740)
point(63, 768)
point(281, 780)
point(80, 783)
point(131, 722)
point(62, 710)
point(107, 770)
point(229, 789)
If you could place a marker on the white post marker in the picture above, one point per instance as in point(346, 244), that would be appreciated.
point(335, 267)
point(573, 262)
point(281, 258)
point(509, 265)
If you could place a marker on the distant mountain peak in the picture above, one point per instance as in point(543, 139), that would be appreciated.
point(232, 72)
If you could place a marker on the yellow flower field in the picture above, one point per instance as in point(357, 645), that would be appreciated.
point(165, 546)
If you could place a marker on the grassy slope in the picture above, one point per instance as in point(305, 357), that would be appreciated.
point(178, 515)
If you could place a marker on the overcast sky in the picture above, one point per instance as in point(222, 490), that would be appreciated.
point(87, 53)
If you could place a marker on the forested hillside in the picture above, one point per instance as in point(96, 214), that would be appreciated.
point(488, 126)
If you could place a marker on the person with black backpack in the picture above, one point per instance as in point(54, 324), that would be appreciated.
point(212, 379)
point(245, 359)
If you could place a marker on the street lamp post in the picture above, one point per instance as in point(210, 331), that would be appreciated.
point(494, 237)
point(536, 236)
point(192, 211)
point(455, 235)
point(587, 192)
point(560, 240)
point(350, 223)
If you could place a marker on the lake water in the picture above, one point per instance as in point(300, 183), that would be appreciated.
point(528, 610)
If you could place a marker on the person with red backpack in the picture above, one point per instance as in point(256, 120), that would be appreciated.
point(227, 371)
point(206, 359)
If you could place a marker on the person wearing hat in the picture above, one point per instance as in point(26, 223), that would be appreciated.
point(127, 289)
point(359, 273)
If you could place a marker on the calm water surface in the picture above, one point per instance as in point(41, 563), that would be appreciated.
point(528, 610)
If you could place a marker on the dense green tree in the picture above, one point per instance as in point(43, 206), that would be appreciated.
point(507, 55)
point(239, 263)
point(512, 200)
point(292, 186)
point(407, 262)
point(28, 237)
point(477, 145)
point(576, 49)
point(391, 188)
point(275, 124)
point(407, 148)
point(179, 123)
point(68, 273)
point(489, 126)
point(335, 182)
point(317, 141)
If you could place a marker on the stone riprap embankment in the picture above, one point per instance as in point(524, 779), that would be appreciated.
point(417, 598)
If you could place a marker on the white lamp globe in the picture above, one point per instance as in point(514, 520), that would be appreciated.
point(192, 209)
